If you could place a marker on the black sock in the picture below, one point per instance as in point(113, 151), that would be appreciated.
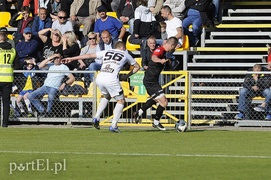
point(159, 112)
point(148, 104)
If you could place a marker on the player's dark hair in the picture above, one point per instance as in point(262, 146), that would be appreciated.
point(173, 40)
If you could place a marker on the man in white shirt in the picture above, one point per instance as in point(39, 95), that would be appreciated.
point(174, 24)
point(62, 23)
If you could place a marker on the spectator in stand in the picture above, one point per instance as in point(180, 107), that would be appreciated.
point(148, 51)
point(26, 48)
point(53, 44)
point(52, 84)
point(126, 12)
point(176, 6)
point(52, 6)
point(155, 7)
point(21, 24)
point(5, 5)
point(66, 6)
point(5, 31)
point(114, 5)
point(71, 48)
point(256, 84)
point(173, 25)
point(113, 25)
point(84, 12)
point(163, 26)
point(143, 25)
point(91, 47)
point(41, 21)
point(197, 17)
point(216, 19)
point(28, 80)
point(62, 23)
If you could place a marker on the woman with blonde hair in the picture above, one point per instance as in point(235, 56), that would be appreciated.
point(91, 47)
point(71, 48)
point(53, 44)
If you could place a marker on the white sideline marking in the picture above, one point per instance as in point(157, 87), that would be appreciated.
point(140, 154)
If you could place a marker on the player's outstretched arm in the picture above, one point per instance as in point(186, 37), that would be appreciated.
point(84, 56)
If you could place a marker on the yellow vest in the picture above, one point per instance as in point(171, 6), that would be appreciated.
point(7, 56)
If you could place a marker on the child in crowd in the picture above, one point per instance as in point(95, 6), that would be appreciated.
point(163, 26)
point(26, 77)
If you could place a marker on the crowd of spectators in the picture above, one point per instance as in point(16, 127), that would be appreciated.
point(75, 27)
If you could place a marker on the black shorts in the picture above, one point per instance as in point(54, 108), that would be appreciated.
point(153, 89)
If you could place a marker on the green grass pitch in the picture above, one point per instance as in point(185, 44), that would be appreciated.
point(135, 153)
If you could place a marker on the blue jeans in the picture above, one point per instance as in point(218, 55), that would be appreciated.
point(193, 18)
point(36, 96)
point(217, 4)
point(245, 98)
point(93, 67)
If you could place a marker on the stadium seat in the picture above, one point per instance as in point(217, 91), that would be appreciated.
point(80, 83)
point(10, 36)
point(126, 87)
point(132, 47)
point(139, 60)
point(185, 44)
point(5, 17)
point(113, 14)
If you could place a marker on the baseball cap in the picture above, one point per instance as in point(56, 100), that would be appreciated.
point(101, 9)
point(4, 30)
point(27, 30)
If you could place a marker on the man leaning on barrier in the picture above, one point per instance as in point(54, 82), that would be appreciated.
point(254, 85)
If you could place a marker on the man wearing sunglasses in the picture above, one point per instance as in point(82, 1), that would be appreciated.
point(62, 23)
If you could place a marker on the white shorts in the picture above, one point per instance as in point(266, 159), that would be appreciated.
point(109, 85)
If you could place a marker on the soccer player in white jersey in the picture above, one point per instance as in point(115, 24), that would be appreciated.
point(107, 80)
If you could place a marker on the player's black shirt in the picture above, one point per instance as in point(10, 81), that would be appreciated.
point(154, 69)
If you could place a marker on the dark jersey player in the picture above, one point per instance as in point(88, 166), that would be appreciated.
point(150, 81)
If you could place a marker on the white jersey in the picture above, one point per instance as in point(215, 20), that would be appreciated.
point(113, 60)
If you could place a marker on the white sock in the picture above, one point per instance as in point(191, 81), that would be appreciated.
point(117, 113)
point(102, 105)
point(20, 105)
point(28, 105)
point(140, 112)
point(156, 122)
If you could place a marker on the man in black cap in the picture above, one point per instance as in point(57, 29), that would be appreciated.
point(5, 31)
point(113, 25)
